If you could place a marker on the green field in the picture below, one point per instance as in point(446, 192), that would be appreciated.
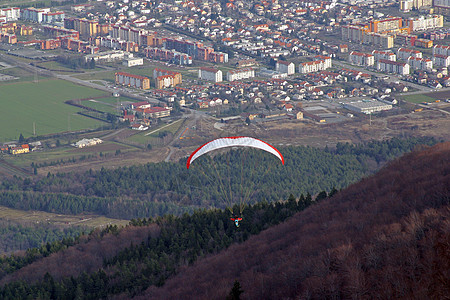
point(42, 103)
point(98, 104)
point(418, 98)
point(22, 74)
point(32, 216)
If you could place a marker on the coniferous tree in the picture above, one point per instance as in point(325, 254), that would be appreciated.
point(236, 291)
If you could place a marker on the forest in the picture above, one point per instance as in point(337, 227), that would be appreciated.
point(385, 235)
point(156, 189)
point(179, 242)
point(15, 237)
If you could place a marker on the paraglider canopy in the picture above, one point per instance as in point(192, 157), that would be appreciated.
point(233, 141)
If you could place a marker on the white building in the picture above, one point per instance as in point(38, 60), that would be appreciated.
point(367, 106)
point(10, 14)
point(440, 60)
point(41, 15)
point(420, 63)
point(326, 59)
point(34, 14)
point(240, 74)
point(387, 55)
point(361, 59)
point(210, 74)
point(396, 67)
point(312, 66)
point(133, 61)
point(285, 67)
point(425, 23)
point(404, 53)
point(108, 56)
point(406, 5)
point(87, 142)
point(441, 49)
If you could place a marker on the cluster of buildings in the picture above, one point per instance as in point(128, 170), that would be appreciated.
point(140, 114)
point(31, 14)
point(15, 149)
point(408, 59)
point(383, 32)
point(87, 143)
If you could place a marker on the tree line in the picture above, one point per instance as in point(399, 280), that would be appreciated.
point(169, 188)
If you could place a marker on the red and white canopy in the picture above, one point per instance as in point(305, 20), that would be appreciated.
point(234, 141)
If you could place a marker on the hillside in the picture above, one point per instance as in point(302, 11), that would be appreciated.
point(387, 236)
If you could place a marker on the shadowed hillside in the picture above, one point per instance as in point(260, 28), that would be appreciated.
point(387, 236)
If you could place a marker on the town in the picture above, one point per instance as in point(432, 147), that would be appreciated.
point(235, 61)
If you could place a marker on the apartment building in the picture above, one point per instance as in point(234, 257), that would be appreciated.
point(156, 112)
point(442, 6)
point(441, 49)
point(41, 15)
point(210, 74)
point(423, 64)
point(405, 53)
point(408, 5)
point(10, 14)
point(387, 25)
point(388, 55)
point(166, 78)
point(312, 66)
point(361, 59)
point(405, 39)
point(125, 33)
point(240, 74)
point(423, 43)
point(50, 44)
point(173, 56)
point(151, 40)
point(425, 23)
point(353, 33)
point(326, 59)
point(135, 81)
point(196, 49)
point(285, 67)
point(87, 28)
point(377, 39)
point(440, 60)
point(396, 67)
point(57, 32)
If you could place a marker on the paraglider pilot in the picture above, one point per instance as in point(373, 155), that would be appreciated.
point(236, 220)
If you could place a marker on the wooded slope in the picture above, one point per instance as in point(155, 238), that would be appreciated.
point(387, 236)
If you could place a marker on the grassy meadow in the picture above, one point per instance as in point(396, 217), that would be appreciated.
point(42, 103)
point(418, 98)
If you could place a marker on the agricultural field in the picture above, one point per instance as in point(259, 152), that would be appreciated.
point(418, 98)
point(100, 75)
point(59, 220)
point(22, 74)
point(41, 105)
